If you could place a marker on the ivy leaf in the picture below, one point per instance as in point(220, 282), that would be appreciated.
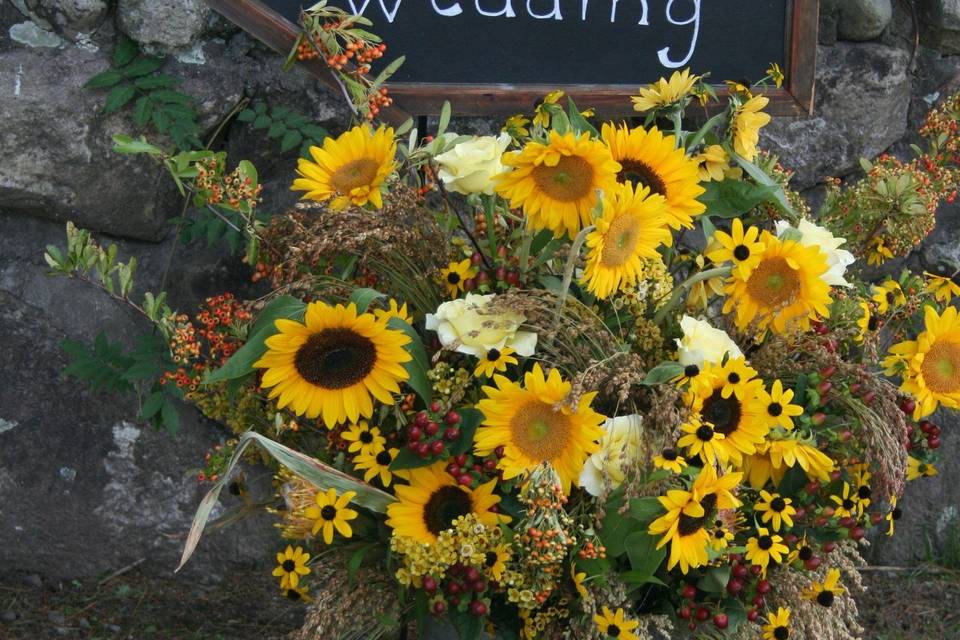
point(276, 130)
point(118, 97)
point(261, 122)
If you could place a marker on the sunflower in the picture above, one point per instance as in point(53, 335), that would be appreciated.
point(333, 363)
point(495, 360)
point(291, 564)
point(893, 515)
point(556, 183)
point(846, 503)
point(712, 163)
point(332, 513)
point(615, 625)
point(775, 407)
point(778, 625)
point(931, 363)
point(364, 439)
point(784, 290)
point(878, 252)
point(527, 423)
point(889, 294)
point(776, 510)
point(669, 459)
point(394, 311)
point(824, 593)
point(867, 323)
point(542, 116)
point(454, 274)
point(700, 292)
point(701, 439)
point(665, 92)
point(739, 247)
point(764, 548)
point(943, 288)
point(688, 512)
point(495, 561)
point(919, 469)
point(774, 457)
point(651, 159)
point(433, 500)
point(745, 126)
point(630, 227)
point(723, 396)
point(374, 464)
point(350, 169)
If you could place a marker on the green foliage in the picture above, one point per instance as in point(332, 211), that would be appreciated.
point(292, 129)
point(106, 365)
point(134, 81)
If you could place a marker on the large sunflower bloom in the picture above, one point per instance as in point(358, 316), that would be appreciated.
point(653, 160)
point(784, 291)
point(631, 227)
point(334, 363)
point(433, 500)
point(350, 168)
point(746, 123)
point(931, 363)
point(556, 183)
point(525, 421)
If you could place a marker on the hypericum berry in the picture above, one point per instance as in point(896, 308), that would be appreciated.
point(465, 479)
point(813, 563)
point(429, 584)
point(752, 615)
point(453, 469)
point(452, 417)
point(907, 405)
point(479, 586)
point(689, 592)
point(734, 586)
point(421, 420)
point(453, 588)
point(500, 451)
point(414, 434)
point(489, 464)
point(758, 600)
point(451, 433)
point(435, 407)
point(763, 587)
point(461, 459)
point(423, 449)
point(686, 612)
point(437, 447)
point(472, 575)
point(857, 533)
point(829, 546)
point(702, 613)
point(478, 608)
point(925, 425)
point(720, 621)
point(439, 607)
point(431, 428)
point(740, 571)
point(933, 442)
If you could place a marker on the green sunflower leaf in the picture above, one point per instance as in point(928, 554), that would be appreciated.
point(731, 198)
point(419, 365)
point(663, 373)
point(470, 419)
point(643, 554)
point(363, 297)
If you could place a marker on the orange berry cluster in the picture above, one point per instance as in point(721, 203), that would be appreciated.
point(590, 551)
point(221, 313)
point(231, 190)
point(377, 98)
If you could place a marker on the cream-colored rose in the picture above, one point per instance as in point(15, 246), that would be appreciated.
point(468, 326)
point(812, 235)
point(620, 446)
point(469, 167)
point(703, 343)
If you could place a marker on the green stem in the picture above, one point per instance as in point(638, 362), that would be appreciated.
point(677, 119)
point(525, 251)
point(568, 270)
point(680, 290)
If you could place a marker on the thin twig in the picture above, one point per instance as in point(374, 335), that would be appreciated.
point(463, 225)
point(121, 571)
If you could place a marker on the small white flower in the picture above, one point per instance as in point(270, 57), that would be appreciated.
point(620, 445)
point(812, 235)
point(702, 343)
point(467, 325)
point(469, 167)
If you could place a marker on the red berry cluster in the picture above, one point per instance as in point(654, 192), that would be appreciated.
point(430, 433)
point(216, 317)
point(462, 583)
point(470, 471)
point(925, 435)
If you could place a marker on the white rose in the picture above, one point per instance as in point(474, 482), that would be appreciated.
point(467, 326)
point(702, 343)
point(812, 235)
point(620, 445)
point(470, 166)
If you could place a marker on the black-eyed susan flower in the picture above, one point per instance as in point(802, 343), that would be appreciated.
point(774, 457)
point(919, 469)
point(350, 169)
point(556, 183)
point(764, 548)
point(888, 295)
point(665, 92)
point(363, 438)
point(685, 524)
point(931, 364)
point(455, 274)
point(745, 125)
point(740, 247)
point(846, 502)
point(775, 74)
point(578, 579)
point(720, 536)
point(533, 425)
point(432, 501)
point(893, 515)
point(541, 117)
point(394, 311)
point(803, 552)
point(297, 594)
point(712, 163)
point(615, 625)
point(701, 439)
point(495, 561)
point(376, 464)
point(776, 509)
point(516, 126)
point(650, 159)
point(734, 376)
point(737, 87)
point(867, 323)
point(669, 459)
point(824, 593)
point(784, 291)
point(334, 363)
point(778, 625)
point(331, 513)
point(878, 252)
point(943, 288)
point(494, 360)
point(291, 564)
point(630, 227)
point(775, 406)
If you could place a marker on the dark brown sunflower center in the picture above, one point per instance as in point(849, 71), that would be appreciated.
point(293, 594)
point(445, 505)
point(384, 459)
point(864, 492)
point(640, 173)
point(453, 277)
point(805, 553)
point(873, 323)
point(613, 631)
point(825, 598)
point(490, 558)
point(775, 409)
point(691, 371)
point(289, 565)
point(688, 525)
point(357, 173)
point(774, 283)
point(329, 512)
point(539, 432)
point(941, 367)
point(778, 504)
point(781, 633)
point(335, 358)
point(567, 181)
point(764, 542)
point(669, 454)
point(493, 355)
point(722, 413)
point(741, 252)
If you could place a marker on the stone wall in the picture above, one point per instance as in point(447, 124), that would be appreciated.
point(83, 487)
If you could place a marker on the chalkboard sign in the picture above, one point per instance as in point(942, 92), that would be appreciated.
point(499, 56)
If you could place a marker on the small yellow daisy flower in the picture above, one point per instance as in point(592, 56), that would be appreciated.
point(918, 469)
point(494, 360)
point(615, 625)
point(887, 295)
point(824, 593)
point(669, 459)
point(454, 275)
point(363, 438)
point(943, 288)
point(765, 547)
point(291, 564)
point(332, 513)
point(776, 510)
point(778, 625)
point(739, 247)
point(700, 439)
point(776, 405)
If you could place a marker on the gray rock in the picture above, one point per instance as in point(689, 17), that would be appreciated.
point(57, 617)
point(71, 18)
point(33, 580)
point(862, 98)
point(942, 24)
point(861, 20)
point(169, 25)
point(8, 616)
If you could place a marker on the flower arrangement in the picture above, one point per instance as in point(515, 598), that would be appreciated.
point(573, 380)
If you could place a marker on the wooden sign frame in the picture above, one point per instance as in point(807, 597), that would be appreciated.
point(794, 99)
